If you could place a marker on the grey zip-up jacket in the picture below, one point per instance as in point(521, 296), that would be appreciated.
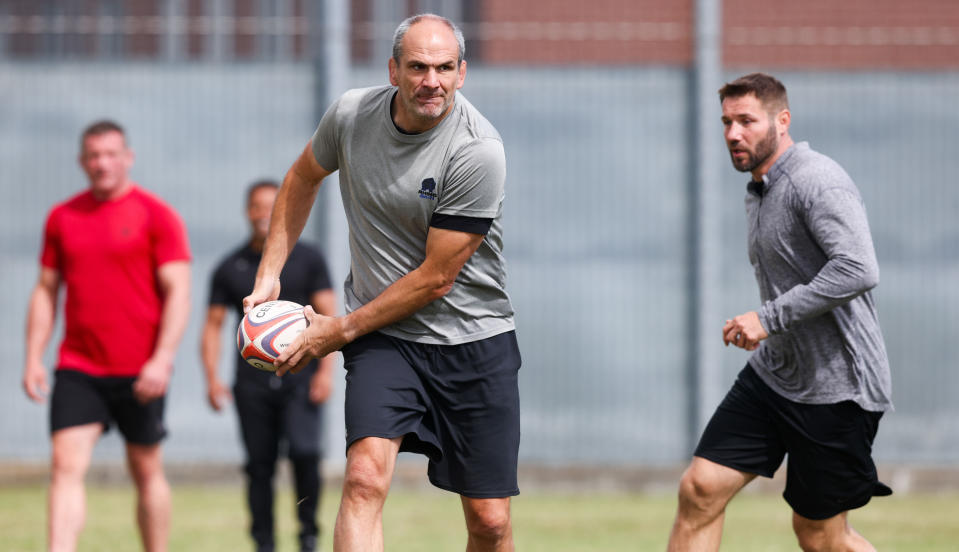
point(810, 247)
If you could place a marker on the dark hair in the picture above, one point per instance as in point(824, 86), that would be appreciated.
point(258, 185)
point(768, 90)
point(403, 27)
point(101, 127)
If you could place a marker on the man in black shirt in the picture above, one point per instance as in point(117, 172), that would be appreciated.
point(274, 412)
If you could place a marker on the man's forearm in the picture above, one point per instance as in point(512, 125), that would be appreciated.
point(175, 312)
point(446, 253)
point(401, 299)
point(210, 352)
point(841, 280)
point(40, 320)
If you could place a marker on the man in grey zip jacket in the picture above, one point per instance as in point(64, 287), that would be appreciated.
point(818, 381)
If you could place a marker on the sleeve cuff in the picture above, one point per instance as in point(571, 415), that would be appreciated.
point(767, 321)
point(473, 225)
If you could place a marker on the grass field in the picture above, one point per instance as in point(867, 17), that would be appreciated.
point(212, 518)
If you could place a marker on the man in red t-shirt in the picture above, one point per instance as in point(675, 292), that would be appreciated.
point(123, 257)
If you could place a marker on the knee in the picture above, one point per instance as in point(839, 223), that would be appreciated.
point(699, 493)
point(812, 536)
point(145, 465)
point(259, 469)
point(63, 467)
point(366, 480)
point(67, 466)
point(489, 523)
point(811, 540)
point(305, 462)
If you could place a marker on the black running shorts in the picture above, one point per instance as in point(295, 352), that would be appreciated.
point(830, 468)
point(80, 399)
point(457, 404)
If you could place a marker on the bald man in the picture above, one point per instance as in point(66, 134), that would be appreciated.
point(428, 340)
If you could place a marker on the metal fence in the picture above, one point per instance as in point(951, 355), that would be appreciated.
point(597, 228)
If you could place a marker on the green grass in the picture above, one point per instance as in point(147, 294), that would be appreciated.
point(213, 518)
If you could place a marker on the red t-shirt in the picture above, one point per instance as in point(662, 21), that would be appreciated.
point(107, 254)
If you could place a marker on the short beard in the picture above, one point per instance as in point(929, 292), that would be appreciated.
point(764, 150)
point(424, 116)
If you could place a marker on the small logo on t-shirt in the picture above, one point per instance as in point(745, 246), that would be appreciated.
point(428, 189)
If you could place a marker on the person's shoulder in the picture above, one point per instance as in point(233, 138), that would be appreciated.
point(150, 199)
point(77, 203)
point(476, 125)
point(366, 92)
point(358, 100)
point(814, 172)
point(79, 200)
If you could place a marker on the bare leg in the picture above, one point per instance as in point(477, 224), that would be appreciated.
point(704, 491)
point(488, 523)
point(834, 533)
point(70, 459)
point(369, 471)
point(153, 495)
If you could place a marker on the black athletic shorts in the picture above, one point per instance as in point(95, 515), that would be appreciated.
point(80, 399)
point(830, 468)
point(457, 404)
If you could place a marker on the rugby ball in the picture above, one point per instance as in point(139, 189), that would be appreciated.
point(268, 329)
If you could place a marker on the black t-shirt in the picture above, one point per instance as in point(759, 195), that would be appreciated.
point(304, 274)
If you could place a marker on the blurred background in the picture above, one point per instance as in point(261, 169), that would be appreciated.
point(624, 222)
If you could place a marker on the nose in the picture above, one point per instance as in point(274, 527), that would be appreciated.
point(97, 162)
point(733, 133)
point(431, 78)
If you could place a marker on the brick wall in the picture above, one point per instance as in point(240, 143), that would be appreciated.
point(814, 34)
point(841, 34)
point(573, 31)
point(774, 34)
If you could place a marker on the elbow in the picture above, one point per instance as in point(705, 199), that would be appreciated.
point(856, 276)
point(441, 290)
point(441, 286)
point(869, 279)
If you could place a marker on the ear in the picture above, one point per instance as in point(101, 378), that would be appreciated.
point(782, 121)
point(462, 77)
point(392, 68)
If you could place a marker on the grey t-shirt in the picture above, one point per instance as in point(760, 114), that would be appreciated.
point(810, 247)
point(393, 183)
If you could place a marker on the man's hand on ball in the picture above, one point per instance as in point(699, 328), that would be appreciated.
point(263, 291)
point(321, 337)
point(745, 331)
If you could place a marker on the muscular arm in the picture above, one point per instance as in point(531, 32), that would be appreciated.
point(216, 391)
point(446, 253)
point(174, 282)
point(837, 222)
point(292, 208)
point(41, 316)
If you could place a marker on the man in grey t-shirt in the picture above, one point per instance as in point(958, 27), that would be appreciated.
point(818, 381)
point(428, 340)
